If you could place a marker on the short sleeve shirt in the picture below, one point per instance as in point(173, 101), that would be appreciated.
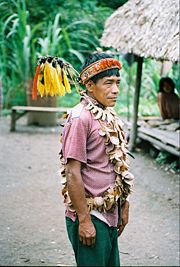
point(81, 141)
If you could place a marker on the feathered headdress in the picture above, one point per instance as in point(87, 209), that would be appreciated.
point(53, 76)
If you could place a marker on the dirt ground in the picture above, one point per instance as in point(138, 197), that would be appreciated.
point(32, 226)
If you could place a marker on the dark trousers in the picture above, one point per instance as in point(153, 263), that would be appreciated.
point(103, 253)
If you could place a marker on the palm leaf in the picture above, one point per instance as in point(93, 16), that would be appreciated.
point(77, 54)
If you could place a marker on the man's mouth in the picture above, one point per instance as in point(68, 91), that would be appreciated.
point(113, 98)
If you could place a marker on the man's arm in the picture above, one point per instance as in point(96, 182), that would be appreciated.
point(125, 217)
point(87, 231)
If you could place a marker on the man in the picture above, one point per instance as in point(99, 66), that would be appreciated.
point(94, 167)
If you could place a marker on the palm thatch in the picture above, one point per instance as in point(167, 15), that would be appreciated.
point(148, 28)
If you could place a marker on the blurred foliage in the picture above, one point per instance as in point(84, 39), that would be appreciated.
point(162, 157)
point(69, 29)
point(149, 87)
point(166, 158)
point(18, 51)
point(114, 4)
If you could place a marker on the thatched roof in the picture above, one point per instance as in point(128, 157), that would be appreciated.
point(148, 28)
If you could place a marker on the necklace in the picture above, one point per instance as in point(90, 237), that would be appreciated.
point(116, 149)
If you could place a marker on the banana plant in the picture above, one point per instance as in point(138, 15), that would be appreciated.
point(67, 41)
point(17, 54)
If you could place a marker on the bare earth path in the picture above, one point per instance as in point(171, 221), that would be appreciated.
point(32, 227)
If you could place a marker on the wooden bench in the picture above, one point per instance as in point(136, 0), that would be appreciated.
point(19, 111)
point(161, 139)
point(165, 140)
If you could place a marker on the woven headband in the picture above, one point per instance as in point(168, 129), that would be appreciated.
point(97, 67)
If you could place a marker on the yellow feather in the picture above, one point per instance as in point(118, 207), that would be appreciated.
point(59, 73)
point(48, 77)
point(55, 80)
point(59, 86)
point(61, 90)
point(66, 83)
point(41, 88)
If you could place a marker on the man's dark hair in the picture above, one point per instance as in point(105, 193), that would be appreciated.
point(107, 73)
point(167, 80)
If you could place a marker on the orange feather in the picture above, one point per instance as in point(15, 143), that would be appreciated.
point(34, 88)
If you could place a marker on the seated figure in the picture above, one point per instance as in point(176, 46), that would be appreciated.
point(168, 100)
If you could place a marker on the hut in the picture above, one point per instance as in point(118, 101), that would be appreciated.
point(146, 28)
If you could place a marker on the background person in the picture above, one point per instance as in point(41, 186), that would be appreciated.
point(168, 100)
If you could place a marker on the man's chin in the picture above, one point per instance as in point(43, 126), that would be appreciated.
point(112, 104)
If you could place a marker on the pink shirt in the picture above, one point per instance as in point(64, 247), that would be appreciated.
point(81, 141)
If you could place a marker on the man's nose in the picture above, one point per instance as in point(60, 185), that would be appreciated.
point(115, 88)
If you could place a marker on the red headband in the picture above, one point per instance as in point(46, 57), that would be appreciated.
point(99, 66)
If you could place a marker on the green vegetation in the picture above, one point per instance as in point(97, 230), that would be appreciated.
point(69, 29)
point(165, 158)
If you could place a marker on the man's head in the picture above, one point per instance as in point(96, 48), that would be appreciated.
point(100, 75)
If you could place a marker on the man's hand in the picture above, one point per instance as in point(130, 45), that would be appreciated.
point(87, 231)
point(125, 217)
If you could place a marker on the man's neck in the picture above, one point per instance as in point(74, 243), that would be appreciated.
point(95, 101)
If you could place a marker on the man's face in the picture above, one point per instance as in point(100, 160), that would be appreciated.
point(105, 91)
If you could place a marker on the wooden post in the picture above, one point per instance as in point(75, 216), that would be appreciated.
point(13, 121)
point(133, 133)
point(128, 92)
point(130, 59)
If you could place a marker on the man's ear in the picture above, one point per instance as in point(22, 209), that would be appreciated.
point(89, 86)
